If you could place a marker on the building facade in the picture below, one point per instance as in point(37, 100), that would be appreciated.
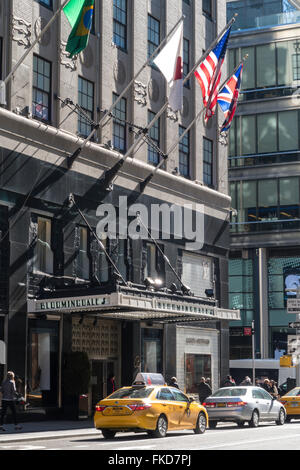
point(59, 290)
point(264, 175)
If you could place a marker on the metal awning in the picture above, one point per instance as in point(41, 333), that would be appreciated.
point(129, 306)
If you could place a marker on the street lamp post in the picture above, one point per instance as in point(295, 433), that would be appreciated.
point(253, 352)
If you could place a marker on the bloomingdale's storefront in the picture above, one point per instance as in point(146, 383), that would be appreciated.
point(122, 333)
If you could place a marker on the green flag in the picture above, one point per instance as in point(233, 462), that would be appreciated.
point(80, 17)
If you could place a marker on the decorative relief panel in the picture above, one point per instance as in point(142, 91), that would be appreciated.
point(68, 62)
point(39, 25)
point(21, 31)
point(100, 341)
point(140, 93)
point(171, 115)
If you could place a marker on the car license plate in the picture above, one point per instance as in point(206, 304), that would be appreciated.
point(117, 411)
point(221, 405)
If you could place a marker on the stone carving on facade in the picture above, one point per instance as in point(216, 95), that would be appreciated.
point(173, 116)
point(223, 138)
point(140, 93)
point(68, 62)
point(39, 25)
point(21, 31)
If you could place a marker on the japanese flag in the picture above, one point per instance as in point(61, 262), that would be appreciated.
point(169, 61)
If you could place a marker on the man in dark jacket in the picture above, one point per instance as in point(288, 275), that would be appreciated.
point(204, 390)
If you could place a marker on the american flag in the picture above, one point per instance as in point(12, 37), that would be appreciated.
point(208, 74)
point(228, 97)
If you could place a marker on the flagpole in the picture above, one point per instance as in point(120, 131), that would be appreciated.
point(107, 113)
point(13, 71)
point(111, 174)
point(147, 180)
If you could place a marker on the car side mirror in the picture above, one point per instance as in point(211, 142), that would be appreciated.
point(191, 399)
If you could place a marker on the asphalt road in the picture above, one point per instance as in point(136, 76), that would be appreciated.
point(225, 437)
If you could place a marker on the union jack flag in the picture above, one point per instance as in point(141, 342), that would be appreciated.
point(208, 74)
point(228, 97)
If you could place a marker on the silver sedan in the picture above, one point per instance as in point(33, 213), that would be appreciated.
point(243, 404)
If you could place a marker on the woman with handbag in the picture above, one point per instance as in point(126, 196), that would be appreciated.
point(9, 396)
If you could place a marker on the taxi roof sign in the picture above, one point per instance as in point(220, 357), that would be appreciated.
point(149, 378)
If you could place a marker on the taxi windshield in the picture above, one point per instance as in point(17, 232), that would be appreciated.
point(132, 392)
point(293, 393)
point(230, 392)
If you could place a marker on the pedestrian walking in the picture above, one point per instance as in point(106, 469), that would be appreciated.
point(174, 383)
point(9, 397)
point(229, 382)
point(204, 390)
point(246, 382)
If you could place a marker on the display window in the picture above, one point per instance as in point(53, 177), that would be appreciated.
point(196, 366)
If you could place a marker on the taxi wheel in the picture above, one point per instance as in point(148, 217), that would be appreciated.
point(201, 424)
point(281, 418)
point(161, 427)
point(108, 434)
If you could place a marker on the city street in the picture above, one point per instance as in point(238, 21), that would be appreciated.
point(225, 437)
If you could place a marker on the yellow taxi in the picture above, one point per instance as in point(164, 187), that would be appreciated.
point(291, 402)
point(150, 407)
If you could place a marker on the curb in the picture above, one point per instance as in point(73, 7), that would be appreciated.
point(43, 437)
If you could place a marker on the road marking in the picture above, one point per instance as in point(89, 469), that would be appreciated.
point(135, 448)
point(236, 444)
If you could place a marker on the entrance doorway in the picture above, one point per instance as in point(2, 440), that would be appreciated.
point(100, 373)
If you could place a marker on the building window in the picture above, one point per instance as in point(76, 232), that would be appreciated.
point(207, 7)
point(83, 261)
point(86, 103)
point(153, 35)
point(267, 138)
point(120, 24)
point(267, 204)
point(207, 161)
point(152, 350)
point(241, 296)
point(46, 3)
point(184, 153)
point(296, 66)
point(119, 125)
point(186, 1)
point(43, 254)
point(154, 134)
point(196, 366)
point(41, 93)
point(155, 264)
point(186, 60)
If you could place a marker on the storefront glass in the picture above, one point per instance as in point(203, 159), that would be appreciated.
point(43, 363)
point(152, 350)
point(196, 366)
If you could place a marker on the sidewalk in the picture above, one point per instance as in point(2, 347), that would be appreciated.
point(33, 431)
